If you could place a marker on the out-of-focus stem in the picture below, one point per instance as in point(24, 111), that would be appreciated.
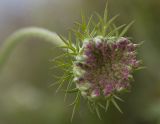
point(22, 34)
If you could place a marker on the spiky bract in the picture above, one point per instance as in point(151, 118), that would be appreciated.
point(99, 61)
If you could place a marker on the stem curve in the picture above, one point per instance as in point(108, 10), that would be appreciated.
point(19, 36)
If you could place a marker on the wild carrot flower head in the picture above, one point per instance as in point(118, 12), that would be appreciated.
point(104, 66)
point(98, 63)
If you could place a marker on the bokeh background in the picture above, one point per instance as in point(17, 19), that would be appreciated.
point(25, 95)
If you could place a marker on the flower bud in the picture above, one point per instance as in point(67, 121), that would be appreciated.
point(105, 66)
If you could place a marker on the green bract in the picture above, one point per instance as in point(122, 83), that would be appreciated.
point(98, 63)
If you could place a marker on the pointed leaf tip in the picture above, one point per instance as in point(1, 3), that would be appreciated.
point(116, 105)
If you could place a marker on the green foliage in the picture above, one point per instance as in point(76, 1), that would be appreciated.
point(95, 25)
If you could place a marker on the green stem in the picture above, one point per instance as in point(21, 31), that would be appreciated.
point(25, 33)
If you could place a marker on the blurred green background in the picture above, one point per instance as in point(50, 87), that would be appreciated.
point(25, 95)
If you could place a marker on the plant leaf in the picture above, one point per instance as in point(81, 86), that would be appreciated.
point(98, 112)
point(116, 105)
point(126, 29)
point(106, 13)
point(118, 98)
point(75, 105)
point(103, 107)
point(116, 29)
point(107, 105)
point(72, 90)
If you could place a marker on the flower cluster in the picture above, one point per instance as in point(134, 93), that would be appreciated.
point(99, 62)
point(104, 66)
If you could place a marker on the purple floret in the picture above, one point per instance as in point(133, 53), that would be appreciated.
point(108, 66)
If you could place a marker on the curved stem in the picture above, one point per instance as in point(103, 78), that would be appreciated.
point(22, 34)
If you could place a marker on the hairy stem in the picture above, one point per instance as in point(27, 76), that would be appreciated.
point(19, 36)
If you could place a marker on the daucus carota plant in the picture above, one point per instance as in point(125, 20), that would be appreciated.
point(98, 61)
